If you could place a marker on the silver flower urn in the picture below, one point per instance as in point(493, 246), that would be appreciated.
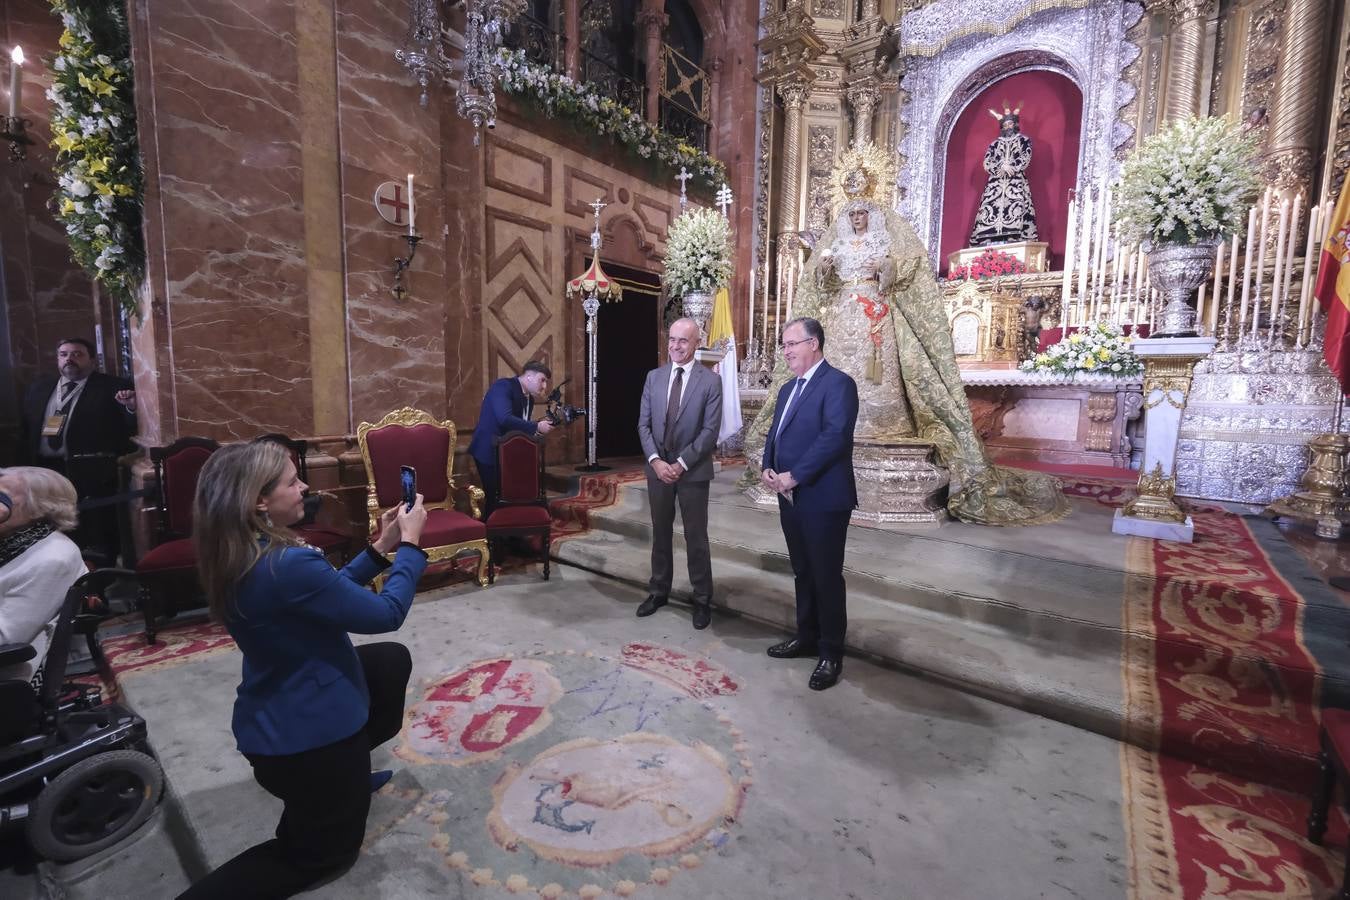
point(698, 305)
point(1178, 270)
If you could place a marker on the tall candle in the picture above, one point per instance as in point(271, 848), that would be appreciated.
point(1200, 309)
point(1067, 289)
point(1099, 272)
point(1218, 293)
point(15, 81)
point(1280, 237)
point(1083, 247)
point(1232, 287)
point(1310, 248)
point(1141, 259)
point(1276, 325)
point(412, 210)
point(1261, 259)
point(750, 325)
point(1247, 269)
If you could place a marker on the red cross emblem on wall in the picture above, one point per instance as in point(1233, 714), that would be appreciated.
point(391, 202)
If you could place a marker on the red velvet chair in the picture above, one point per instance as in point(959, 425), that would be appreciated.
point(1332, 758)
point(410, 437)
point(334, 543)
point(168, 573)
point(522, 511)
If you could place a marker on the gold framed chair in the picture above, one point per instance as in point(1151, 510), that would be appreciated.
point(412, 437)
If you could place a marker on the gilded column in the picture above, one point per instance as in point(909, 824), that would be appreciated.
point(1295, 102)
point(1186, 56)
point(653, 22)
point(863, 96)
point(794, 98)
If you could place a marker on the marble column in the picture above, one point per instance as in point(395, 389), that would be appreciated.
point(653, 21)
point(714, 69)
point(1295, 103)
point(572, 37)
point(1186, 56)
point(1168, 365)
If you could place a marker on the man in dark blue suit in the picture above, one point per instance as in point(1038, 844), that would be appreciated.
point(507, 406)
point(808, 461)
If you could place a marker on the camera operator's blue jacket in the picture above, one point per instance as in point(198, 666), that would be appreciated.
point(503, 410)
point(303, 686)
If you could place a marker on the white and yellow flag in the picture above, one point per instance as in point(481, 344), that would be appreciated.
point(721, 337)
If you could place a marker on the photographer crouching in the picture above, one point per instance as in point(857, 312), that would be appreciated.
point(507, 406)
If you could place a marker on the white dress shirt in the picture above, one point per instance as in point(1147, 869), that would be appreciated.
point(684, 393)
point(53, 404)
point(796, 395)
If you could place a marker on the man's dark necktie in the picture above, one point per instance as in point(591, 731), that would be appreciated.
point(792, 398)
point(63, 408)
point(673, 408)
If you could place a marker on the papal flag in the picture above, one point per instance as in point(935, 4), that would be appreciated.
point(721, 337)
point(1333, 290)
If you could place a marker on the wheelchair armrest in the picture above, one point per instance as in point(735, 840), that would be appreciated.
point(13, 654)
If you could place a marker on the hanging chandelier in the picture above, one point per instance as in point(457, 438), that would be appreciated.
point(486, 23)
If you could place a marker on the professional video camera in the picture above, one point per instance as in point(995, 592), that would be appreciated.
point(558, 412)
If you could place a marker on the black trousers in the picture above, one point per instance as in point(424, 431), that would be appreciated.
point(693, 500)
point(815, 542)
point(492, 486)
point(93, 478)
point(327, 795)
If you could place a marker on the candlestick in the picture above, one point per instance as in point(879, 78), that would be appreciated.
point(1280, 237)
point(1218, 293)
point(1247, 270)
point(750, 325)
point(15, 81)
point(1261, 260)
point(1084, 247)
point(1066, 290)
point(1140, 258)
point(1309, 264)
point(1232, 287)
point(1099, 269)
point(412, 209)
point(1277, 327)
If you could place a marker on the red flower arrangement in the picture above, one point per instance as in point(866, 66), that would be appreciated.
point(989, 264)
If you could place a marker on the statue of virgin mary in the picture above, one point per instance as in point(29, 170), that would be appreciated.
point(871, 287)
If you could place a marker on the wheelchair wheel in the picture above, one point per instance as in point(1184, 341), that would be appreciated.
point(94, 804)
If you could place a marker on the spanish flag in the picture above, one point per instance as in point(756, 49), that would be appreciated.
point(722, 337)
point(1333, 290)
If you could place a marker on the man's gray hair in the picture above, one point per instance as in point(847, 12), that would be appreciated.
point(812, 327)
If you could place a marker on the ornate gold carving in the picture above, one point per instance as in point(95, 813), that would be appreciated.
point(832, 9)
point(1186, 58)
point(1168, 376)
point(1262, 61)
point(1340, 141)
point(1322, 491)
point(1155, 500)
point(1101, 413)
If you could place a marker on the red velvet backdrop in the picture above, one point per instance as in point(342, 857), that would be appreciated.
point(1052, 115)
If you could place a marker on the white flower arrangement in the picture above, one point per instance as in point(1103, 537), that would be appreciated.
point(1188, 184)
point(559, 95)
point(1099, 348)
point(698, 252)
point(98, 171)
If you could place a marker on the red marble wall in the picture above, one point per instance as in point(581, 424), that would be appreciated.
point(44, 295)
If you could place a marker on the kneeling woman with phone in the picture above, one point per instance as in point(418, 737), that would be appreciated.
point(310, 706)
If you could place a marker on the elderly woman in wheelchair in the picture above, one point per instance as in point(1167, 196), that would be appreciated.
point(75, 771)
point(38, 563)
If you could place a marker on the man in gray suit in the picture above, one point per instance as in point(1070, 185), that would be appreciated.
point(678, 423)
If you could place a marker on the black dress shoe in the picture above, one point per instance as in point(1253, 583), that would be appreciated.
point(702, 616)
point(826, 674)
point(650, 605)
point(791, 649)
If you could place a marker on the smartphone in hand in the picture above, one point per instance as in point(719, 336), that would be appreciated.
point(407, 476)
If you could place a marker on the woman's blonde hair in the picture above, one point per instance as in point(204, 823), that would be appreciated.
point(48, 497)
point(230, 532)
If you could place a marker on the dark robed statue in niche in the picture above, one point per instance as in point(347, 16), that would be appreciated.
point(1006, 214)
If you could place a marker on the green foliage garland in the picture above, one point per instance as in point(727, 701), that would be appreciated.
point(99, 182)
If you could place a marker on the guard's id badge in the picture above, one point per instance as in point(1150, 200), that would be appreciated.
point(54, 424)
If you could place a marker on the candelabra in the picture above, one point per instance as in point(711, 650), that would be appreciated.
point(16, 132)
point(423, 53)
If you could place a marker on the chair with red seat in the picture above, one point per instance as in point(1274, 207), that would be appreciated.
point(522, 511)
point(411, 437)
point(169, 570)
point(1335, 739)
point(331, 542)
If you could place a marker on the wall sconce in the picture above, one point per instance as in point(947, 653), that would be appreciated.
point(15, 125)
point(402, 263)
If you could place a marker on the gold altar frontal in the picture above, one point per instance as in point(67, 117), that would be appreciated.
point(1033, 254)
point(986, 322)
